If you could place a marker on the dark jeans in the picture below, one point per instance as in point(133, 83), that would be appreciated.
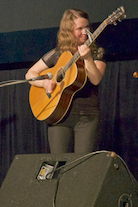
point(78, 133)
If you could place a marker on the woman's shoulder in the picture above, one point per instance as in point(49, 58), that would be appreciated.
point(51, 57)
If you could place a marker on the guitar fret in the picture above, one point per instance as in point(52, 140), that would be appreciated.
point(69, 64)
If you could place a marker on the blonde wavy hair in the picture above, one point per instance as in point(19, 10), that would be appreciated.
point(65, 37)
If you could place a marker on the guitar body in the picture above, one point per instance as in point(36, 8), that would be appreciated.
point(53, 109)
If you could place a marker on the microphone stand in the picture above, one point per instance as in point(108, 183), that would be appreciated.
point(13, 82)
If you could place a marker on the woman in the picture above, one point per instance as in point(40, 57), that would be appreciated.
point(79, 130)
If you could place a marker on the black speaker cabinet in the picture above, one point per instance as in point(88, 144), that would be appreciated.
point(100, 179)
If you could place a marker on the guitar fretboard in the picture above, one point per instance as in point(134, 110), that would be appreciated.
point(88, 43)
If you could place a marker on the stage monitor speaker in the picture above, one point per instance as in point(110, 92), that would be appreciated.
point(99, 179)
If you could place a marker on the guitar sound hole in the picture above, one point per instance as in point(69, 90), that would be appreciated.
point(60, 75)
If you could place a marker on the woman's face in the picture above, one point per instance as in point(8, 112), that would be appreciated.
point(79, 30)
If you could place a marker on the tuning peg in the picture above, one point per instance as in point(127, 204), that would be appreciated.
point(119, 20)
point(115, 23)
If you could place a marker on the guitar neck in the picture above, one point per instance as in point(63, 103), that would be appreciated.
point(93, 37)
point(120, 12)
point(88, 43)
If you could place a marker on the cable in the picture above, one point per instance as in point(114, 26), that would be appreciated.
point(80, 158)
point(68, 164)
point(87, 156)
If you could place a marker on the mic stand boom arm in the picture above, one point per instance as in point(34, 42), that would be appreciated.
point(13, 82)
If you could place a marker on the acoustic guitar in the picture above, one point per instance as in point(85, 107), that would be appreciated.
point(69, 78)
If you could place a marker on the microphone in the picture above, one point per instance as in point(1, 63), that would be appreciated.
point(13, 82)
point(48, 76)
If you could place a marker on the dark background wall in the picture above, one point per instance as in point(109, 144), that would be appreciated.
point(20, 15)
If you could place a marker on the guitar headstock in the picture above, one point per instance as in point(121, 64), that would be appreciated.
point(116, 15)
